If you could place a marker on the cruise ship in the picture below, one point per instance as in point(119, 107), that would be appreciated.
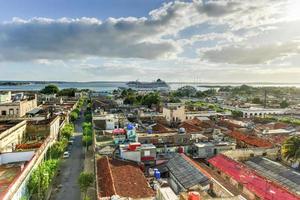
point(157, 85)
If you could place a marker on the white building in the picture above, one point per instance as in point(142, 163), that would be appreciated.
point(207, 150)
point(260, 112)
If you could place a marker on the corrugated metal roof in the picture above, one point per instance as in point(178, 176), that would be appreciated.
point(275, 171)
point(185, 173)
point(258, 184)
point(34, 111)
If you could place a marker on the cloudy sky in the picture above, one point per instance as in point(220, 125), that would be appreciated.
point(200, 40)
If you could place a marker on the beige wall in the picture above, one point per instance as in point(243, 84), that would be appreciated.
point(26, 106)
point(43, 130)
point(12, 136)
point(174, 114)
point(54, 127)
point(17, 109)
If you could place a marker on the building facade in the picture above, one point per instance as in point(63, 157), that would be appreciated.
point(17, 108)
point(12, 134)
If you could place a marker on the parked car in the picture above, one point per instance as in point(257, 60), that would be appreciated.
point(72, 138)
point(66, 154)
point(71, 142)
point(69, 148)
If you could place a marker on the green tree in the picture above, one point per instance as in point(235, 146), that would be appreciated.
point(70, 92)
point(50, 89)
point(85, 181)
point(67, 131)
point(87, 140)
point(130, 99)
point(284, 104)
point(41, 178)
point(237, 113)
point(186, 91)
point(256, 100)
point(150, 99)
point(73, 116)
point(290, 149)
point(57, 149)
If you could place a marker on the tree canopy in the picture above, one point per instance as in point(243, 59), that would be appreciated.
point(70, 92)
point(290, 149)
point(85, 181)
point(284, 104)
point(67, 131)
point(50, 89)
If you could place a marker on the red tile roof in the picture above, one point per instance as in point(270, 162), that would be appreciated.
point(250, 139)
point(280, 125)
point(190, 128)
point(121, 178)
point(228, 124)
point(263, 188)
point(159, 128)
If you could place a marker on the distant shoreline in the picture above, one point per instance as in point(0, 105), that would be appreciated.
point(204, 84)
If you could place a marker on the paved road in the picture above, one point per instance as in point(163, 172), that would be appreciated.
point(70, 170)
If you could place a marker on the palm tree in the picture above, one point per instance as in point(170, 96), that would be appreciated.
point(290, 149)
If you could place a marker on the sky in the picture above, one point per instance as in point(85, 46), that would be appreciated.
point(122, 40)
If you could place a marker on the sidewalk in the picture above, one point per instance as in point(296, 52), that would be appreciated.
point(89, 167)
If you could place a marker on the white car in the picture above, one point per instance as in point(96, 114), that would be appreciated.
point(66, 154)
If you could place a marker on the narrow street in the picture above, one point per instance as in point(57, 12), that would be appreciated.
point(66, 186)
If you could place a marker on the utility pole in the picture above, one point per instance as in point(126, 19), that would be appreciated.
point(265, 99)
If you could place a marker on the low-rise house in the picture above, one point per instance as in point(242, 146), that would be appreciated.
point(209, 149)
point(250, 182)
point(41, 129)
point(138, 152)
point(162, 139)
point(174, 112)
point(16, 168)
point(184, 176)
point(104, 121)
point(5, 97)
point(18, 107)
point(12, 133)
point(249, 140)
point(121, 179)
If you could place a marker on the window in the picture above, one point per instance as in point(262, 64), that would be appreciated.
point(3, 112)
point(11, 111)
point(146, 153)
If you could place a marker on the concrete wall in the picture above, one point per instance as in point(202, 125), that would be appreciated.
point(244, 154)
point(17, 109)
point(12, 136)
point(131, 155)
point(174, 114)
point(26, 106)
point(43, 130)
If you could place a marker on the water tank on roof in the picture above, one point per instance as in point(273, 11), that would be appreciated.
point(194, 196)
point(181, 130)
point(130, 127)
point(157, 174)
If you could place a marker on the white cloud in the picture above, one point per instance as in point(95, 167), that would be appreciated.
point(251, 55)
